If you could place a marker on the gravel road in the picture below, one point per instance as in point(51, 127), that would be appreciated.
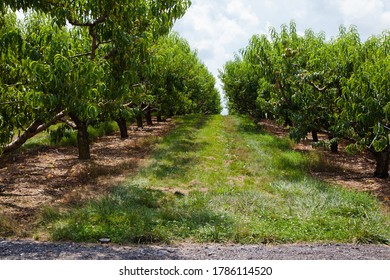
point(31, 250)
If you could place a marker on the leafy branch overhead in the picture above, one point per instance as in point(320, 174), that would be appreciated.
point(95, 61)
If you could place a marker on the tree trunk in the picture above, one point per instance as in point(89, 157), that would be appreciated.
point(83, 141)
point(34, 128)
point(314, 135)
point(148, 116)
point(82, 138)
point(382, 163)
point(334, 146)
point(159, 117)
point(3, 160)
point(123, 128)
point(140, 123)
point(288, 121)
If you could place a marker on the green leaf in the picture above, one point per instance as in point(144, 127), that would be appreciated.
point(92, 112)
point(381, 143)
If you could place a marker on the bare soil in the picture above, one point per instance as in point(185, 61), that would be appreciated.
point(54, 176)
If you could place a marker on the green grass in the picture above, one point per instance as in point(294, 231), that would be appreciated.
point(221, 179)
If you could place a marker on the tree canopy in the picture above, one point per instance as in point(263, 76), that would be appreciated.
point(338, 86)
point(81, 62)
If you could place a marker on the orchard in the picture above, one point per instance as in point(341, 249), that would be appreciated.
point(340, 87)
point(77, 63)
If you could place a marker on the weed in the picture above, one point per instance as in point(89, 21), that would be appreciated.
point(7, 226)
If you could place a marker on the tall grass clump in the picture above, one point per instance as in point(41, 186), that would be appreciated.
point(6, 227)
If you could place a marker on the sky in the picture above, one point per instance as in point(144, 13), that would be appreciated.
point(218, 29)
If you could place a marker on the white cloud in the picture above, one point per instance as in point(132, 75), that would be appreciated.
point(216, 29)
point(244, 12)
point(220, 28)
point(385, 17)
point(357, 9)
point(370, 16)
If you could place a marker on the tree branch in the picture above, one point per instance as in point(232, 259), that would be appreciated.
point(81, 55)
point(104, 42)
point(36, 127)
point(15, 85)
point(280, 86)
point(11, 102)
point(94, 44)
point(69, 123)
point(146, 108)
point(128, 104)
point(87, 24)
point(323, 89)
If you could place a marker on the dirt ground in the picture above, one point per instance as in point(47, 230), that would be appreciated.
point(54, 176)
point(45, 176)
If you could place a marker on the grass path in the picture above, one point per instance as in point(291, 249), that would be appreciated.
point(221, 179)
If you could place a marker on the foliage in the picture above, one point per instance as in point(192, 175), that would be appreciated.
point(367, 97)
point(180, 82)
point(240, 86)
point(338, 86)
point(87, 62)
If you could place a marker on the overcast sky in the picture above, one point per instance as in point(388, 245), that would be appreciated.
point(219, 28)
